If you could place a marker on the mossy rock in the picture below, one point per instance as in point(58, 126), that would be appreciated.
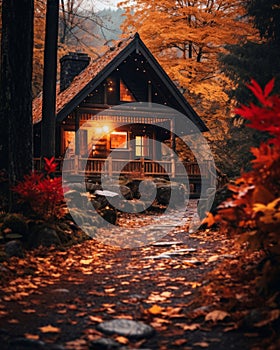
point(44, 235)
point(64, 232)
point(17, 223)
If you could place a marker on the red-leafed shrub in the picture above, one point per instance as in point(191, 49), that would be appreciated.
point(253, 211)
point(42, 192)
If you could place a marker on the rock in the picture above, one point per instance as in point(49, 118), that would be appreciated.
point(212, 201)
point(14, 248)
point(104, 344)
point(148, 190)
point(61, 290)
point(76, 199)
point(16, 223)
point(45, 236)
point(167, 243)
point(157, 257)
point(24, 344)
point(93, 187)
point(109, 214)
point(124, 190)
point(126, 328)
point(164, 193)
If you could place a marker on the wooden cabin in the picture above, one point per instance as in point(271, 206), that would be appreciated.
point(98, 98)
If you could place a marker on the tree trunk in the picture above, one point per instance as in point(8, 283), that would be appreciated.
point(15, 90)
point(49, 81)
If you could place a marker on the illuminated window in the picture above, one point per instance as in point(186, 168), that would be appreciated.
point(141, 146)
point(118, 139)
point(69, 141)
point(125, 94)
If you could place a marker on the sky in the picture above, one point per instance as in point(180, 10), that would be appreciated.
point(101, 4)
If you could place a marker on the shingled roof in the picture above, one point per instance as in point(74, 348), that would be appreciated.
point(98, 70)
point(80, 81)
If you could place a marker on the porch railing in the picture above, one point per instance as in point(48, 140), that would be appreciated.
point(141, 167)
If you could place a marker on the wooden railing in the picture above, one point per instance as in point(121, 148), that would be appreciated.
point(142, 167)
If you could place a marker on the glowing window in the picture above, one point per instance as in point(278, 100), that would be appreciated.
point(125, 94)
point(118, 139)
point(141, 146)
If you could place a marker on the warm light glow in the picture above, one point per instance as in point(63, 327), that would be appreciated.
point(98, 130)
point(102, 129)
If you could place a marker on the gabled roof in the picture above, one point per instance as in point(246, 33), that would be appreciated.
point(98, 70)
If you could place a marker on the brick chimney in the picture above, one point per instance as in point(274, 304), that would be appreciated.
point(71, 65)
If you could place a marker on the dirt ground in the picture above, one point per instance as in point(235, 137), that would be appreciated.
point(202, 298)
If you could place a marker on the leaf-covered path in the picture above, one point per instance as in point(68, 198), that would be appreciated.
point(55, 299)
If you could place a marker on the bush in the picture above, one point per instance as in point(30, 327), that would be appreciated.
point(42, 193)
point(253, 210)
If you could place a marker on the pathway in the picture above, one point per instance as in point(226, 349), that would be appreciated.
point(60, 299)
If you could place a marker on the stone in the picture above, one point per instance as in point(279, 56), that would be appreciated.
point(61, 290)
point(16, 223)
point(24, 344)
point(167, 243)
point(164, 191)
point(124, 190)
point(157, 257)
point(192, 261)
point(76, 199)
point(93, 187)
point(126, 328)
point(148, 190)
point(212, 201)
point(14, 248)
point(104, 344)
point(44, 236)
point(109, 214)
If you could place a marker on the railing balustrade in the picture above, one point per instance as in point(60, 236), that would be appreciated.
point(96, 166)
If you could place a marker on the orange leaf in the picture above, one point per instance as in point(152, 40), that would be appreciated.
point(209, 220)
point(49, 329)
point(31, 336)
point(155, 310)
point(95, 319)
point(216, 315)
point(179, 342)
point(122, 340)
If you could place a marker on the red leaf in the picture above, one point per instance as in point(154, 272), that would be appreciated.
point(269, 87)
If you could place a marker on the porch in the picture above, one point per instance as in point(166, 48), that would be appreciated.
point(92, 168)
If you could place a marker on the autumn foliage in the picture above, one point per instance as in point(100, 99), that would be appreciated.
point(42, 193)
point(253, 211)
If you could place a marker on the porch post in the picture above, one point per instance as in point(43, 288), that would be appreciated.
point(142, 166)
point(110, 166)
point(173, 147)
point(77, 141)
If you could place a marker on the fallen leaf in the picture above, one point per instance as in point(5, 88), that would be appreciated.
point(122, 340)
point(31, 336)
point(202, 344)
point(95, 319)
point(271, 316)
point(109, 290)
point(179, 342)
point(191, 327)
point(213, 258)
point(155, 310)
point(166, 294)
point(49, 329)
point(13, 321)
point(216, 315)
point(29, 311)
point(86, 261)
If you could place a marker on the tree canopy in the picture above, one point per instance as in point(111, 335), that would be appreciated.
point(187, 38)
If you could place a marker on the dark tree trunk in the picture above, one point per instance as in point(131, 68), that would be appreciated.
point(49, 80)
point(16, 90)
